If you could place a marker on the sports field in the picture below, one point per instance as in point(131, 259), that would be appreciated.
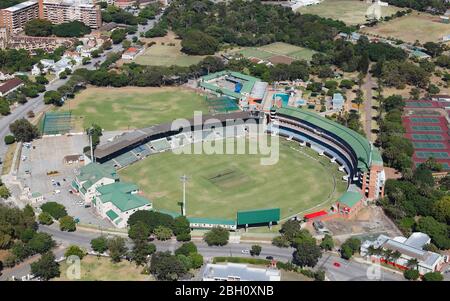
point(422, 27)
point(166, 52)
point(351, 12)
point(279, 51)
point(132, 107)
point(219, 185)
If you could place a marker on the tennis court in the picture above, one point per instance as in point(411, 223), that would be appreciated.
point(426, 128)
point(436, 155)
point(429, 145)
point(424, 120)
point(427, 137)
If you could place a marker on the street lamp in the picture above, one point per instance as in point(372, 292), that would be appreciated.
point(184, 179)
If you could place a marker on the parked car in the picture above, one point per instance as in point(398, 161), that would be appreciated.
point(245, 251)
point(57, 191)
point(269, 257)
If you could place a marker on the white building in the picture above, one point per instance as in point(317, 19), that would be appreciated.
point(296, 4)
point(409, 248)
point(92, 176)
point(44, 66)
point(117, 201)
point(239, 272)
point(131, 53)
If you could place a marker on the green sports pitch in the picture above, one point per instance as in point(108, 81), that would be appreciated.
point(219, 185)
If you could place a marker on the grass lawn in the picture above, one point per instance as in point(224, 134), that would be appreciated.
point(95, 268)
point(166, 55)
point(276, 49)
point(132, 107)
point(8, 159)
point(219, 185)
point(416, 26)
point(351, 12)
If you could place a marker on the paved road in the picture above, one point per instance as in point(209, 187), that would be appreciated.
point(37, 104)
point(348, 270)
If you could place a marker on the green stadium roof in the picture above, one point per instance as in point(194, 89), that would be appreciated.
point(365, 152)
point(112, 214)
point(350, 198)
point(94, 172)
point(120, 195)
point(213, 221)
point(258, 216)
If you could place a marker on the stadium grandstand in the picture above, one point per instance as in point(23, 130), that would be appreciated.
point(426, 126)
point(130, 147)
point(357, 157)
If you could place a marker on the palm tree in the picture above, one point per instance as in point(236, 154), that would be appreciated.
point(395, 256)
point(413, 263)
point(387, 254)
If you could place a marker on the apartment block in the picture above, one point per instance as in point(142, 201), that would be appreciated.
point(15, 17)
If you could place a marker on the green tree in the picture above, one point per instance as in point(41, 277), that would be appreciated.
point(441, 210)
point(255, 250)
point(4, 192)
point(74, 250)
point(41, 79)
point(4, 107)
point(199, 43)
point(99, 244)
point(53, 97)
point(163, 233)
point(45, 218)
point(139, 231)
point(327, 243)
point(41, 243)
point(117, 248)
point(9, 139)
point(67, 223)
point(186, 249)
point(290, 229)
point(46, 267)
point(151, 218)
point(71, 29)
point(307, 254)
point(196, 260)
point(280, 241)
point(216, 237)
point(411, 274)
point(181, 225)
point(433, 276)
point(38, 28)
point(438, 231)
point(141, 250)
point(118, 35)
point(166, 266)
point(23, 130)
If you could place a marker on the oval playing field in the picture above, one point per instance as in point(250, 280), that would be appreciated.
point(219, 185)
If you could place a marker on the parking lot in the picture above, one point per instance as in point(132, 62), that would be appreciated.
point(46, 156)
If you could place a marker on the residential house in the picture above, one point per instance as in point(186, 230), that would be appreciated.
point(131, 53)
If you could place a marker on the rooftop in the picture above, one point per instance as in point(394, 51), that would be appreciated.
point(10, 84)
point(212, 221)
point(350, 198)
point(364, 151)
point(20, 6)
point(240, 271)
point(93, 172)
point(120, 194)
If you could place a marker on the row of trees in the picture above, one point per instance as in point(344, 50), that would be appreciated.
point(55, 211)
point(13, 60)
point(415, 203)
point(45, 28)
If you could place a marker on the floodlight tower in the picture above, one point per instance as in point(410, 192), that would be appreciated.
point(184, 179)
point(90, 142)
